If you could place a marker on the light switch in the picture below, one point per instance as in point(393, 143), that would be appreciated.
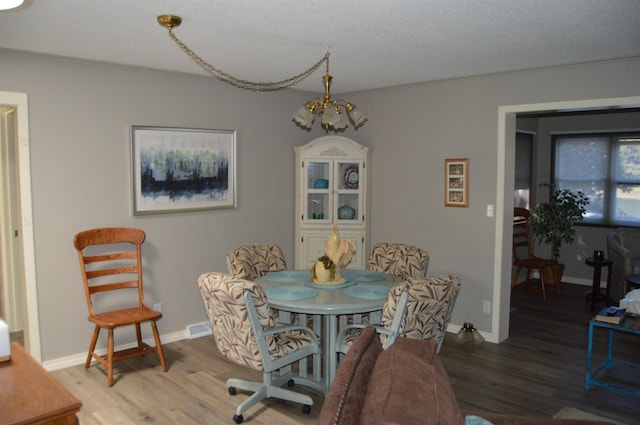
point(490, 210)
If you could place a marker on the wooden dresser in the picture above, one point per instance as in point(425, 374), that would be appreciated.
point(30, 395)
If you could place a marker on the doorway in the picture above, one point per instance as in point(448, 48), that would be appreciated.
point(11, 281)
point(18, 288)
point(505, 189)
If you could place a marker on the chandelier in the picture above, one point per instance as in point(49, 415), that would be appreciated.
point(332, 111)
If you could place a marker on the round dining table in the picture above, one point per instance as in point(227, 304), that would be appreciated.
point(365, 291)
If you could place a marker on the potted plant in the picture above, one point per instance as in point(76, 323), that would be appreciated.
point(552, 223)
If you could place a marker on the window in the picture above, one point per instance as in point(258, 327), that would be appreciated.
point(606, 167)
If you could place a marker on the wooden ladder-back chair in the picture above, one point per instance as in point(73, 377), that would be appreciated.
point(109, 265)
point(525, 258)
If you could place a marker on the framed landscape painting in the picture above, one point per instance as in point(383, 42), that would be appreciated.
point(456, 182)
point(182, 169)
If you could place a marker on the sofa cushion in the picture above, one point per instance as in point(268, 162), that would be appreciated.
point(343, 403)
point(409, 385)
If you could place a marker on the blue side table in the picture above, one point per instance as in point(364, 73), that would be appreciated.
point(628, 325)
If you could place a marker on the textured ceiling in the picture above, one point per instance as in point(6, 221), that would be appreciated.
point(373, 43)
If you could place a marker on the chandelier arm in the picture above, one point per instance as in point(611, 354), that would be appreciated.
point(340, 102)
point(245, 84)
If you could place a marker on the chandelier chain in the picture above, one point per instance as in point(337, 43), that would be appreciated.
point(246, 84)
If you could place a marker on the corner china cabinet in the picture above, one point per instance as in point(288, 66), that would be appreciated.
point(332, 188)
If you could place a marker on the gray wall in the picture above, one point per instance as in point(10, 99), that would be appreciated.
point(80, 115)
point(80, 119)
point(414, 128)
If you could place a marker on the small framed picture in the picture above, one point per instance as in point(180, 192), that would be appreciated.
point(182, 169)
point(456, 182)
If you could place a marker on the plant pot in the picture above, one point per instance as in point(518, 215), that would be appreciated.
point(552, 275)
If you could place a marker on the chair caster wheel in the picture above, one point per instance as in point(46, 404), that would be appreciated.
point(233, 391)
point(291, 383)
point(238, 419)
point(306, 409)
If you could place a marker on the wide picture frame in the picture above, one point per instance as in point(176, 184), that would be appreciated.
point(456, 182)
point(182, 169)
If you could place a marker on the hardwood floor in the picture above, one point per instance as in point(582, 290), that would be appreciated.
point(539, 370)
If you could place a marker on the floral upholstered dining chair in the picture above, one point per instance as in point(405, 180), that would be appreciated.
point(255, 260)
point(246, 332)
point(398, 259)
point(428, 311)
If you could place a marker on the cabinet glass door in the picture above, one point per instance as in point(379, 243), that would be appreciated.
point(318, 178)
point(348, 205)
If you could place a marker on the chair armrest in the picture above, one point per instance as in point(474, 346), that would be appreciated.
point(262, 332)
point(287, 328)
point(391, 332)
point(346, 329)
point(341, 345)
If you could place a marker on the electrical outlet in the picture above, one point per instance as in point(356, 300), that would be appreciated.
point(157, 306)
point(486, 307)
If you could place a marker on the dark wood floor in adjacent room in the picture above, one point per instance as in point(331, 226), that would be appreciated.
point(540, 368)
point(537, 371)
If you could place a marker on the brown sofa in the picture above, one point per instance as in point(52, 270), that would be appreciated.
point(405, 384)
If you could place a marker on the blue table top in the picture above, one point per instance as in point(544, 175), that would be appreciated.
point(328, 300)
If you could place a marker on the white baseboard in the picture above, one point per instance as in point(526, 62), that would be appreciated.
point(584, 282)
point(80, 358)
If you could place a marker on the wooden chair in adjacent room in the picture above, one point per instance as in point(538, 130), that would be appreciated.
point(525, 258)
point(111, 265)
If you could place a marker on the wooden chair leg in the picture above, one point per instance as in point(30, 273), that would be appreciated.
point(556, 281)
point(514, 281)
point(159, 349)
point(92, 346)
point(542, 284)
point(110, 358)
point(139, 336)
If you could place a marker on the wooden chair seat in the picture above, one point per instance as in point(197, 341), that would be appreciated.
point(123, 317)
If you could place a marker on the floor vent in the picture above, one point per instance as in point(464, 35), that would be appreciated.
point(198, 330)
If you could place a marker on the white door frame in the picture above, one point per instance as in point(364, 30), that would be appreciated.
point(19, 101)
point(504, 202)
